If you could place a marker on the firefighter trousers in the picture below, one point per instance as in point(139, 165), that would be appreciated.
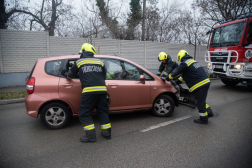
point(200, 96)
point(87, 104)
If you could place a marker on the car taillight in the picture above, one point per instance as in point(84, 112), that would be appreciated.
point(30, 85)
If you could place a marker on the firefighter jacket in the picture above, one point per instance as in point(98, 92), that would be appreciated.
point(193, 74)
point(92, 74)
point(167, 67)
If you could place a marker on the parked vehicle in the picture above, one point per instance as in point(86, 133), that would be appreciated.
point(131, 88)
point(230, 51)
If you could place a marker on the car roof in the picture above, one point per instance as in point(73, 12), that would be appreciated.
point(78, 56)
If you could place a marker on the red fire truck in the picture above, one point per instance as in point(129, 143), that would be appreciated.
point(230, 51)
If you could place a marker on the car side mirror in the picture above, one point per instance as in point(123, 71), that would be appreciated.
point(142, 79)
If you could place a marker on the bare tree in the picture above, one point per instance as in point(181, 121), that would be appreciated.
point(89, 26)
point(134, 18)
point(168, 24)
point(110, 22)
point(192, 29)
point(6, 14)
point(120, 31)
point(46, 14)
point(152, 24)
point(218, 10)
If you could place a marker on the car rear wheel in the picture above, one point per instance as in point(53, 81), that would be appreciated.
point(230, 82)
point(55, 115)
point(163, 106)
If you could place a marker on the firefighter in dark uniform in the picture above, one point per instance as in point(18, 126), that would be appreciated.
point(92, 75)
point(167, 64)
point(198, 82)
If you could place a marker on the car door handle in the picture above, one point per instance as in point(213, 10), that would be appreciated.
point(113, 85)
point(67, 84)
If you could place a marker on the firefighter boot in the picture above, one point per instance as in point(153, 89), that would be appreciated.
point(201, 120)
point(106, 133)
point(209, 112)
point(89, 137)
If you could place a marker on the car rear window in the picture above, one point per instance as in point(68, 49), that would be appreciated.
point(53, 67)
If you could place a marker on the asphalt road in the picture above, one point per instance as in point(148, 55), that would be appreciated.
point(138, 139)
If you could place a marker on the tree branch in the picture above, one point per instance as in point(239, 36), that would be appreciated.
point(29, 13)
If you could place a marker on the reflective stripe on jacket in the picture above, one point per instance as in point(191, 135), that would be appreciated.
point(92, 74)
point(167, 67)
point(192, 72)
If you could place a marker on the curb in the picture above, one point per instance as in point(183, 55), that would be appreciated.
point(11, 101)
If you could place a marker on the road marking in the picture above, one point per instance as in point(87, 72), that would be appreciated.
point(165, 123)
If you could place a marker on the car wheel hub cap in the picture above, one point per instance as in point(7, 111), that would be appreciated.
point(162, 106)
point(55, 116)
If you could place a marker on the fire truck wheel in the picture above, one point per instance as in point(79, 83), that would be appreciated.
point(230, 82)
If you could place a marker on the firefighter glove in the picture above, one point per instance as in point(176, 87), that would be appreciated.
point(173, 82)
point(167, 78)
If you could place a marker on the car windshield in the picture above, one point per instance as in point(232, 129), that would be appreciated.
point(229, 35)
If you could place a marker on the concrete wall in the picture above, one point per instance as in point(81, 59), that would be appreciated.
point(13, 79)
point(19, 50)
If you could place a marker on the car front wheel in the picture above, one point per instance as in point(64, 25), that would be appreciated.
point(163, 106)
point(55, 115)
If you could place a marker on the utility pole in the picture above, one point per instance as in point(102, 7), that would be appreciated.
point(195, 33)
point(143, 24)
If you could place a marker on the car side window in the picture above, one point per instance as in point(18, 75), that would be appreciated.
point(53, 67)
point(114, 70)
point(148, 77)
point(120, 70)
point(132, 72)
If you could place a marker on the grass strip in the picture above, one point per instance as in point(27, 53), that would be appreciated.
point(13, 95)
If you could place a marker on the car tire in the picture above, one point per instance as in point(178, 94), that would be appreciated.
point(55, 115)
point(163, 106)
point(230, 82)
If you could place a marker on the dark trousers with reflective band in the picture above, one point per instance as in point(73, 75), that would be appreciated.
point(200, 96)
point(87, 104)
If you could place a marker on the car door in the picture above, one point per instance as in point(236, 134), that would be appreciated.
point(124, 86)
point(70, 90)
